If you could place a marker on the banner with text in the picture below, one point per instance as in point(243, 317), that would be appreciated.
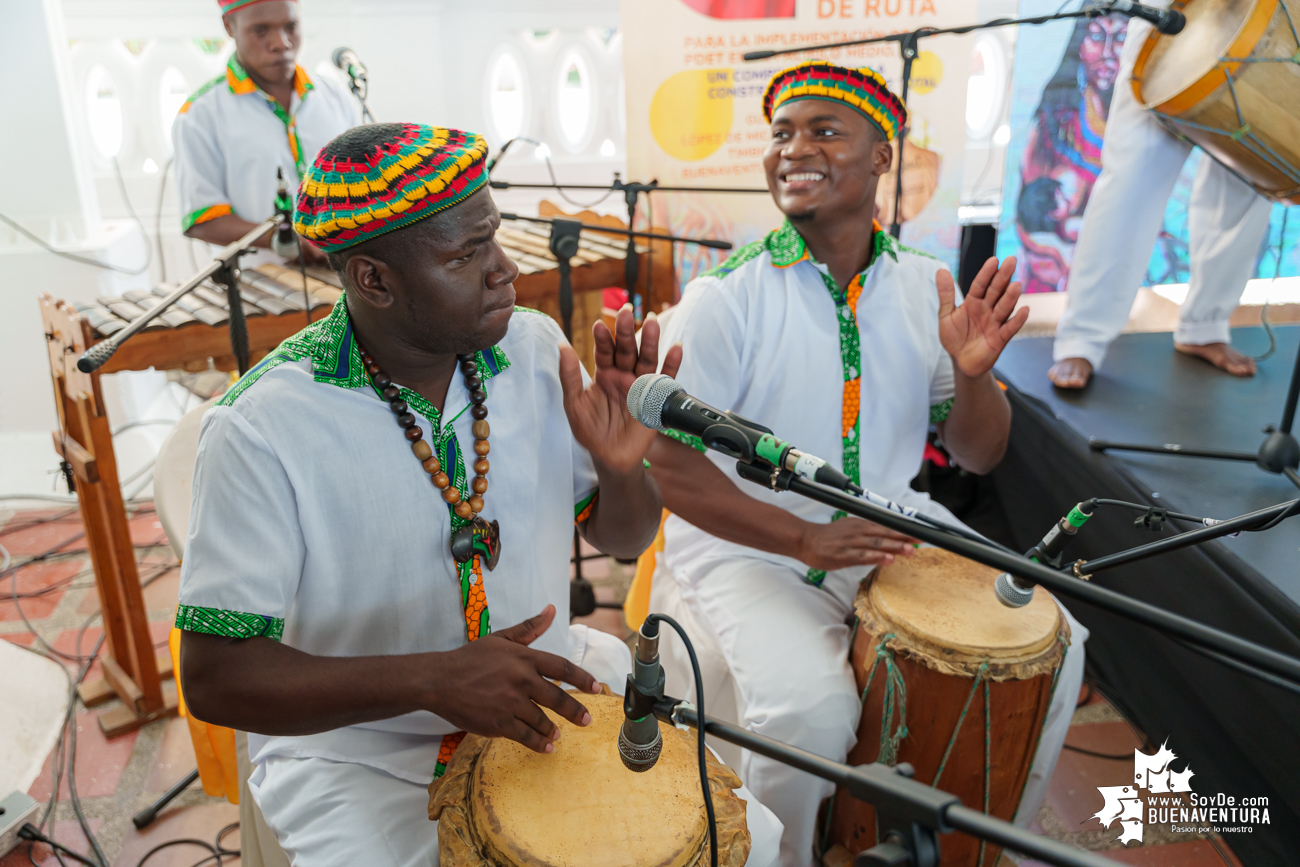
point(694, 114)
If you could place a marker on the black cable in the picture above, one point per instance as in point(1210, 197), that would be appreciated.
point(1090, 507)
point(1292, 510)
point(306, 295)
point(221, 836)
point(30, 833)
point(186, 841)
point(1096, 755)
point(699, 731)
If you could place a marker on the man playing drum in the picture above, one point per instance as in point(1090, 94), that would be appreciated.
point(849, 345)
point(350, 593)
point(263, 113)
point(1227, 221)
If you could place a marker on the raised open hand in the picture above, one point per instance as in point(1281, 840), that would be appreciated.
point(975, 333)
point(598, 414)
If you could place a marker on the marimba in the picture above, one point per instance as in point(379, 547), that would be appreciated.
point(191, 336)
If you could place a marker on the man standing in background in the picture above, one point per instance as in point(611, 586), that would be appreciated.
point(1227, 223)
point(264, 113)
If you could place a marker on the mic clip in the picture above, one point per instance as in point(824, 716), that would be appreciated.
point(1153, 520)
point(639, 703)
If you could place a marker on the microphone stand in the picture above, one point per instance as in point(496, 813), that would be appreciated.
point(223, 269)
point(1247, 654)
point(564, 246)
point(360, 87)
point(631, 195)
point(907, 47)
point(909, 815)
point(1279, 453)
point(1262, 519)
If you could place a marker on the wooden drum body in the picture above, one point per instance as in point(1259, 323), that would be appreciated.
point(1230, 82)
point(934, 643)
point(502, 805)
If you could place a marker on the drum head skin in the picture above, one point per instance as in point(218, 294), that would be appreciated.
point(943, 606)
point(580, 807)
point(1176, 63)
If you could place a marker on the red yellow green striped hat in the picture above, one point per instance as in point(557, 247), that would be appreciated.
point(228, 6)
point(863, 89)
point(377, 178)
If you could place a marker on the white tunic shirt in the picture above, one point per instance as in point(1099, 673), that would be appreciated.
point(314, 523)
point(230, 138)
point(769, 335)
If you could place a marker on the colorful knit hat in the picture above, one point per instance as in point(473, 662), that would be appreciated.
point(863, 89)
point(228, 6)
point(377, 178)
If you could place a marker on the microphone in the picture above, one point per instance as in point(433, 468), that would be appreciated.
point(658, 402)
point(284, 241)
point(1168, 21)
point(639, 740)
point(1015, 592)
point(346, 59)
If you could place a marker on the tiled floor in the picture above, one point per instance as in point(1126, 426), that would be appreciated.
point(119, 777)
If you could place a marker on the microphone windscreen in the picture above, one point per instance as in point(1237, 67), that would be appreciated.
point(647, 396)
point(339, 57)
point(1010, 593)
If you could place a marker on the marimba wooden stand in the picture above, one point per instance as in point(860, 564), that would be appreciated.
point(84, 441)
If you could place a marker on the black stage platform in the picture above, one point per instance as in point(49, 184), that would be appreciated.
point(1238, 734)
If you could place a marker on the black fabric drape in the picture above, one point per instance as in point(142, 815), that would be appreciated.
point(1240, 736)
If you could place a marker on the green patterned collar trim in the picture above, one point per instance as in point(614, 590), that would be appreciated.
point(335, 359)
point(787, 246)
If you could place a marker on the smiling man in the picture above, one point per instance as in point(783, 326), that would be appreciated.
point(263, 113)
point(850, 345)
point(384, 507)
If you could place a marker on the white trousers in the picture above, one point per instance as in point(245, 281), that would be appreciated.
point(326, 813)
point(784, 644)
point(1141, 161)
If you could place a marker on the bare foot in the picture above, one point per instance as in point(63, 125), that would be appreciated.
point(1070, 373)
point(1222, 356)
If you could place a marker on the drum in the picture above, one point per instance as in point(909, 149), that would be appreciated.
point(954, 683)
point(1230, 82)
point(502, 805)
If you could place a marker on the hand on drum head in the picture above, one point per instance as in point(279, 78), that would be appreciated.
point(497, 686)
point(852, 542)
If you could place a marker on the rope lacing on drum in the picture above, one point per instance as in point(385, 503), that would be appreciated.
point(895, 695)
point(1243, 133)
point(981, 677)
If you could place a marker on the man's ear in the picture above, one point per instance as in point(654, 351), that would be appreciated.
point(882, 157)
point(228, 22)
point(372, 280)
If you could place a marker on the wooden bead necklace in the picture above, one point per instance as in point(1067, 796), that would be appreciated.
point(475, 536)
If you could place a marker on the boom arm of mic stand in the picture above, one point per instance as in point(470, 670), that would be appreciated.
point(614, 230)
point(1089, 12)
point(1190, 537)
point(99, 354)
point(889, 789)
point(1248, 652)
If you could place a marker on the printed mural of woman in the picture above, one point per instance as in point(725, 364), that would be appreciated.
point(1063, 152)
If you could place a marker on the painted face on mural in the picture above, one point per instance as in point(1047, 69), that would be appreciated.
point(824, 160)
point(1101, 49)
